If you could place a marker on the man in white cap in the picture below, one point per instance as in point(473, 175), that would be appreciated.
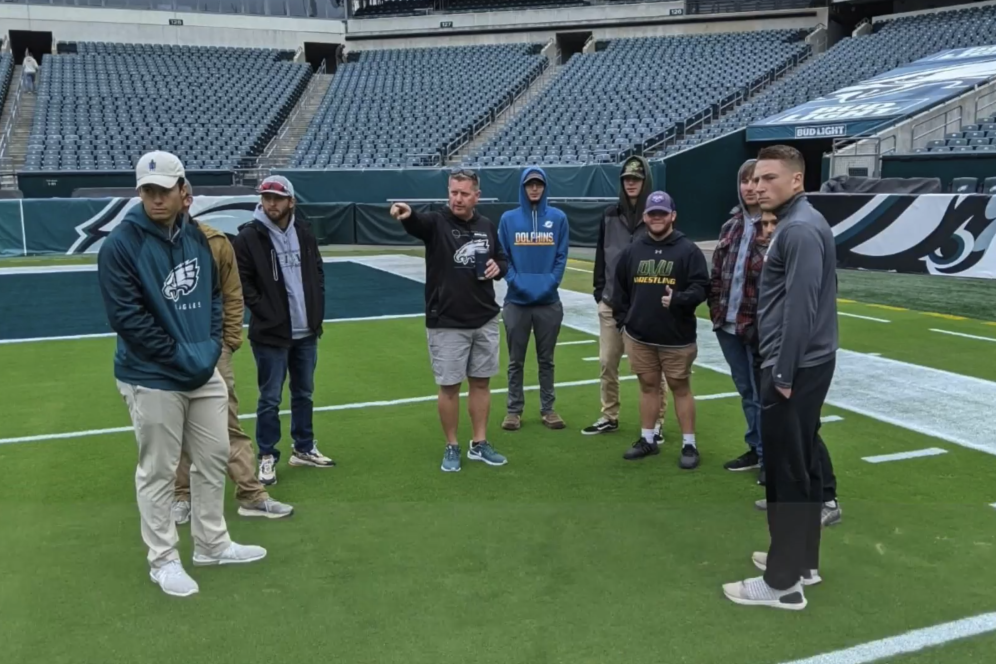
point(283, 284)
point(162, 296)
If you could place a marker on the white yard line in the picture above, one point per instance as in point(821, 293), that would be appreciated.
point(104, 335)
point(963, 335)
point(871, 318)
point(576, 343)
point(338, 407)
point(902, 456)
point(596, 358)
point(578, 269)
point(910, 642)
point(831, 418)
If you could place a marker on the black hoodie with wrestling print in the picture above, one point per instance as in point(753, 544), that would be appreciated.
point(646, 269)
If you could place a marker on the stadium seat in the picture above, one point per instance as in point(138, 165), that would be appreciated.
point(103, 105)
point(964, 185)
point(404, 98)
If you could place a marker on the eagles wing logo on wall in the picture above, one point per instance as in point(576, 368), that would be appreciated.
point(942, 234)
point(225, 213)
point(181, 280)
point(465, 254)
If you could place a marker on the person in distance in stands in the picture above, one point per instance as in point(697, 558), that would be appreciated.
point(463, 257)
point(535, 238)
point(621, 225)
point(736, 271)
point(660, 279)
point(797, 329)
point(253, 499)
point(283, 284)
point(162, 295)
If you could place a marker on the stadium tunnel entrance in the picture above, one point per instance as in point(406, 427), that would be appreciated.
point(332, 54)
point(571, 43)
point(812, 151)
point(39, 43)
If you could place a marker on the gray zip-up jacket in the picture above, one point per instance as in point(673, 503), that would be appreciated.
point(797, 302)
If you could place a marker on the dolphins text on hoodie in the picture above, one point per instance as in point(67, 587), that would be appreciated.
point(535, 239)
point(163, 298)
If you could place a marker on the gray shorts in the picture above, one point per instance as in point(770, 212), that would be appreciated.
point(459, 354)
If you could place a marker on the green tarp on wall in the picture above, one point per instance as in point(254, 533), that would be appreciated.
point(61, 184)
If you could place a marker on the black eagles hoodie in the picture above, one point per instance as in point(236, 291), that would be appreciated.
point(454, 297)
point(646, 268)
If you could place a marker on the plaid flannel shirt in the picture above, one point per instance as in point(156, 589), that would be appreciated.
point(724, 261)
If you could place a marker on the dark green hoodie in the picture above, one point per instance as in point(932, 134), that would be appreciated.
point(163, 298)
point(621, 223)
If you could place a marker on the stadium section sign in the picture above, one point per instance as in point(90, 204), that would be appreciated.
point(883, 100)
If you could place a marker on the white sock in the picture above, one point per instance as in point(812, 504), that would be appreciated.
point(648, 435)
point(688, 439)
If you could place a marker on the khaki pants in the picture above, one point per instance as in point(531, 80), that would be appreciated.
point(610, 352)
point(241, 459)
point(166, 424)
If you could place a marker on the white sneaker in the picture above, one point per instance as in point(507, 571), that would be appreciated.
point(181, 512)
point(174, 580)
point(268, 470)
point(234, 554)
point(268, 509)
point(314, 458)
point(760, 560)
point(756, 592)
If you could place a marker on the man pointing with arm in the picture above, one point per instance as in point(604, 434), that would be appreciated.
point(461, 313)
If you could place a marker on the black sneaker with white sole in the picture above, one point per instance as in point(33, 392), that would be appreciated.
point(603, 425)
point(746, 461)
point(641, 449)
point(689, 457)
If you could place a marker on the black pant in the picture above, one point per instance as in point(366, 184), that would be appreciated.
point(789, 431)
point(826, 465)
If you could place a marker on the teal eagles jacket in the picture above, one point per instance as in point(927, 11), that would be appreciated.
point(162, 297)
point(535, 239)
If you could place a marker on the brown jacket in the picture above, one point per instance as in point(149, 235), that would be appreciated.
point(231, 285)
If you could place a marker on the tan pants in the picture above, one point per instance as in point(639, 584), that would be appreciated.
point(167, 423)
point(610, 352)
point(241, 460)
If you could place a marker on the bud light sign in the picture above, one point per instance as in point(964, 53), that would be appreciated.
point(829, 131)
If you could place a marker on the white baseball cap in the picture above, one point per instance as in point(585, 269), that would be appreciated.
point(159, 168)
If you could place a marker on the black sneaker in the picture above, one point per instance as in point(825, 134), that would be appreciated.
point(640, 449)
point(603, 425)
point(745, 461)
point(689, 457)
point(762, 477)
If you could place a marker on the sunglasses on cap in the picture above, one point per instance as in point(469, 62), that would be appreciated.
point(273, 188)
point(464, 172)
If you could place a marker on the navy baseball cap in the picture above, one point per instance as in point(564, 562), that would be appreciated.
point(659, 201)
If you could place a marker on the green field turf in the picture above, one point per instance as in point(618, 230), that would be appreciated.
point(567, 554)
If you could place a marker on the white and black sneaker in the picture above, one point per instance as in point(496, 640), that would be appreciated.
point(268, 470)
point(756, 592)
point(603, 425)
point(809, 577)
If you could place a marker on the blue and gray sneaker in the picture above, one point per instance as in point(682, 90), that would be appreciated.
point(451, 459)
point(484, 452)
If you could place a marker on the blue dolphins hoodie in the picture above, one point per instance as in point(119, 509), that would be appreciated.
point(535, 239)
point(162, 296)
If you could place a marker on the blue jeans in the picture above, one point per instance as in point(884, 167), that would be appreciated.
point(740, 357)
point(272, 367)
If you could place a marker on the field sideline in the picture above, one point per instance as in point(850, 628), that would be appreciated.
point(560, 556)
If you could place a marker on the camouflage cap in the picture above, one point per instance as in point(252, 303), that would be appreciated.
point(633, 169)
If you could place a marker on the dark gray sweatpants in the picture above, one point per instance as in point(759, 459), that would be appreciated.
point(520, 323)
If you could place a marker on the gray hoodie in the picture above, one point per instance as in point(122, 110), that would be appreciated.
point(743, 254)
point(797, 299)
point(288, 248)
